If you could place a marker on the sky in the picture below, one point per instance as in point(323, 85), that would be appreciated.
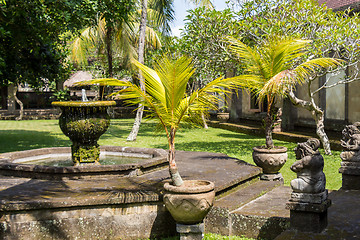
point(181, 7)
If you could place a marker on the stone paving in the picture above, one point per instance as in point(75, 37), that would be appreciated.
point(244, 204)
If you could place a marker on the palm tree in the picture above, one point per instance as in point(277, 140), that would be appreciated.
point(273, 69)
point(167, 11)
point(119, 40)
point(166, 98)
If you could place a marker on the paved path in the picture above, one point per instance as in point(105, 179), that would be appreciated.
point(255, 198)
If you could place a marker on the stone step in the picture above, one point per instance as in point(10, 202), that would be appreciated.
point(271, 204)
point(244, 193)
point(255, 211)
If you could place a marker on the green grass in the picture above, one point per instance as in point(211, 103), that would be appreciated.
point(211, 236)
point(24, 135)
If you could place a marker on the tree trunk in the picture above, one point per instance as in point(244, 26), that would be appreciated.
point(204, 120)
point(318, 116)
point(268, 131)
point(134, 132)
point(142, 30)
point(20, 117)
point(109, 56)
point(174, 173)
point(320, 130)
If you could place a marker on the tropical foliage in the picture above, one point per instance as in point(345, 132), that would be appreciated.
point(335, 34)
point(201, 39)
point(116, 41)
point(166, 98)
point(273, 69)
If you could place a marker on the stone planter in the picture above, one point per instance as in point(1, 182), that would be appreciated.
point(270, 160)
point(223, 117)
point(189, 203)
point(84, 123)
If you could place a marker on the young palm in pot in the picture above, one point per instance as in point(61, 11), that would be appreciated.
point(166, 99)
point(270, 71)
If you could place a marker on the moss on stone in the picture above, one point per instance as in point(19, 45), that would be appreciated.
point(85, 154)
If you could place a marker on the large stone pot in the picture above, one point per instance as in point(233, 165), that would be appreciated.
point(189, 203)
point(223, 117)
point(270, 160)
point(84, 123)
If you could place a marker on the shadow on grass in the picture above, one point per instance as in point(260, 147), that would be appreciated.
point(123, 129)
point(18, 140)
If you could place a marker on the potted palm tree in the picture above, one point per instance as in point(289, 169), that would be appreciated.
point(166, 99)
point(270, 71)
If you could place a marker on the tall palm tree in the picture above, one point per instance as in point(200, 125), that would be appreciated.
point(166, 16)
point(167, 100)
point(273, 69)
point(119, 40)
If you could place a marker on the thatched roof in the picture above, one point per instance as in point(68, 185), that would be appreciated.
point(341, 4)
point(77, 77)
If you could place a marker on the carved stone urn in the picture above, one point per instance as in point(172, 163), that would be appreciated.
point(189, 203)
point(84, 123)
point(270, 160)
point(223, 116)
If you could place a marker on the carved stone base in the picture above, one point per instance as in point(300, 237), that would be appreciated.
point(350, 175)
point(308, 216)
point(350, 182)
point(308, 221)
point(309, 197)
point(190, 232)
point(272, 177)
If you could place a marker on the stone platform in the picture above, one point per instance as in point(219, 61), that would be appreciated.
point(131, 207)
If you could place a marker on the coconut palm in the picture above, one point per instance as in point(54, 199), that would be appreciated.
point(110, 40)
point(273, 69)
point(166, 9)
point(166, 98)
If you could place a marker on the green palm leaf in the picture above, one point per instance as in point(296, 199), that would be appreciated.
point(270, 70)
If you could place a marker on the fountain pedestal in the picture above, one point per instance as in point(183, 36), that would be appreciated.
point(84, 123)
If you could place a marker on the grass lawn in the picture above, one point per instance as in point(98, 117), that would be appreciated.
point(211, 236)
point(24, 135)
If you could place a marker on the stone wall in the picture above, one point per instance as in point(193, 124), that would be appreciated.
point(125, 221)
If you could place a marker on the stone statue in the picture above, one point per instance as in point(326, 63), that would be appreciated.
point(309, 168)
point(351, 142)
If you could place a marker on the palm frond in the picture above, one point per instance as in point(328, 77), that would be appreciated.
point(306, 69)
point(174, 75)
point(204, 3)
point(248, 56)
point(153, 84)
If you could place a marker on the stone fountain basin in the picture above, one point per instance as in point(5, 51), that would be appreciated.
point(13, 164)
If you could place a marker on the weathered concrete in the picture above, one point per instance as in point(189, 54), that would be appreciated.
point(114, 208)
point(343, 219)
point(245, 211)
point(190, 232)
point(308, 217)
point(132, 208)
point(10, 164)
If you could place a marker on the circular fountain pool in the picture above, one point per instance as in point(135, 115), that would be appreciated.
point(56, 163)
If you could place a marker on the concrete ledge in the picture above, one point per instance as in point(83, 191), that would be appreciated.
point(10, 165)
point(102, 222)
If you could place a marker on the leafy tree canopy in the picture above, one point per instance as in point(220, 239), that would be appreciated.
point(32, 48)
point(202, 39)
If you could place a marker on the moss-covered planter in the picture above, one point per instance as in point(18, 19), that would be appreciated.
point(84, 123)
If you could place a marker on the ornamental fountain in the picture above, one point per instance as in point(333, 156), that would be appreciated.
point(84, 123)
